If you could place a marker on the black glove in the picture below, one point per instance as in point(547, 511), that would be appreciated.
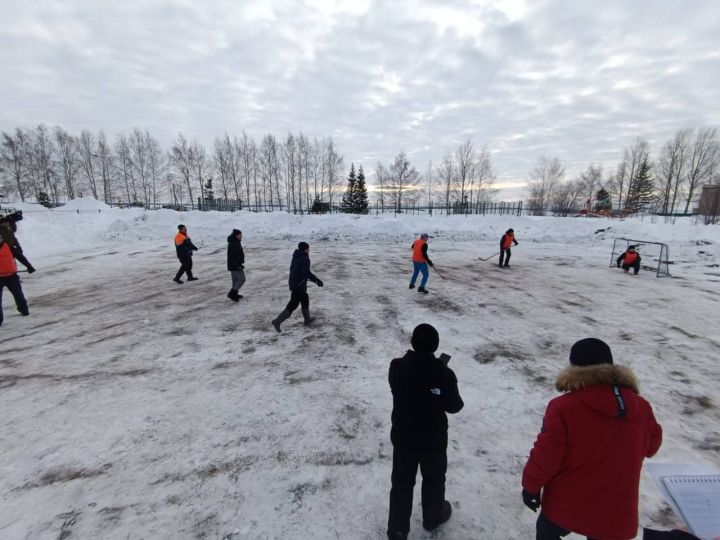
point(30, 269)
point(430, 263)
point(516, 243)
point(530, 500)
point(618, 264)
point(319, 283)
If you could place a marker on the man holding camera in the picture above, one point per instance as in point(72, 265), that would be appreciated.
point(424, 389)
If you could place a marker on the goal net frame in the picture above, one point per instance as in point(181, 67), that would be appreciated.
point(661, 254)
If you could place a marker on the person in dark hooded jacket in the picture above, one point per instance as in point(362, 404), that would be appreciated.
point(300, 274)
point(235, 264)
point(584, 470)
point(424, 389)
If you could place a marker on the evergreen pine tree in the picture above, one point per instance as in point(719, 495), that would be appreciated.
point(209, 193)
point(360, 199)
point(641, 192)
point(346, 206)
point(43, 199)
point(603, 201)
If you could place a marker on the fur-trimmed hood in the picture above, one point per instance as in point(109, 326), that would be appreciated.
point(608, 389)
point(576, 378)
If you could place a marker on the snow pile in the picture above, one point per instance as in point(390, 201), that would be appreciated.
point(85, 204)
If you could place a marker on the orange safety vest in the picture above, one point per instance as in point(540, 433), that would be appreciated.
point(508, 240)
point(7, 261)
point(630, 257)
point(417, 255)
point(179, 239)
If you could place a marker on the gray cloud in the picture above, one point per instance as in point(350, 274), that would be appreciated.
point(575, 80)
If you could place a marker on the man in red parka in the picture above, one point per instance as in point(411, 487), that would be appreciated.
point(589, 453)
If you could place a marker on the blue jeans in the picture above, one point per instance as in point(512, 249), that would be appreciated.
point(420, 268)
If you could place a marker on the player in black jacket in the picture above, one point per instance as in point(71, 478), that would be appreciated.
point(235, 264)
point(300, 274)
point(424, 389)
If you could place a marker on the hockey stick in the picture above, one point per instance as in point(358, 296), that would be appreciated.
point(490, 257)
point(438, 272)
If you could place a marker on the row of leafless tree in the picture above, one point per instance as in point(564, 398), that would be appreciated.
point(668, 184)
point(135, 169)
point(463, 178)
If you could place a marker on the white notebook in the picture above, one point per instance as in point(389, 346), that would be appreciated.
point(698, 499)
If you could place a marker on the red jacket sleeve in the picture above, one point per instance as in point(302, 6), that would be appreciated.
point(655, 435)
point(549, 451)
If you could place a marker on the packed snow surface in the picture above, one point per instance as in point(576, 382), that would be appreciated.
point(133, 407)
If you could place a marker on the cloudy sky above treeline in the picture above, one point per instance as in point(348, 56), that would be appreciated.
point(573, 79)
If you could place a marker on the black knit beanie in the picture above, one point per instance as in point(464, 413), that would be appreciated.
point(590, 352)
point(425, 338)
point(235, 232)
point(302, 246)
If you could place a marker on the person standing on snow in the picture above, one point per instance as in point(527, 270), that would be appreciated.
point(299, 275)
point(629, 259)
point(235, 264)
point(184, 248)
point(424, 389)
point(420, 261)
point(8, 230)
point(9, 277)
point(507, 240)
point(587, 459)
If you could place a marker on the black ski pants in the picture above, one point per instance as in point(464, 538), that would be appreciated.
point(635, 266)
point(433, 466)
point(13, 285)
point(185, 267)
point(298, 298)
point(505, 252)
point(547, 530)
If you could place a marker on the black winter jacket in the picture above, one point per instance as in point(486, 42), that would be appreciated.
point(185, 249)
point(235, 254)
point(300, 271)
point(424, 389)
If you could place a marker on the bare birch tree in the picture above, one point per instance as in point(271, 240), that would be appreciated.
point(543, 180)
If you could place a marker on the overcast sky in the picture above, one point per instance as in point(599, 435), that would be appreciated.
point(573, 79)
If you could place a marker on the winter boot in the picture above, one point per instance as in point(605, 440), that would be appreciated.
point(233, 295)
point(423, 290)
point(307, 317)
point(397, 535)
point(192, 278)
point(178, 280)
point(412, 286)
point(444, 516)
point(284, 314)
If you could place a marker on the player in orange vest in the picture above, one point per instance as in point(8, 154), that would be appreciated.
point(10, 279)
point(184, 248)
point(629, 259)
point(420, 261)
point(507, 240)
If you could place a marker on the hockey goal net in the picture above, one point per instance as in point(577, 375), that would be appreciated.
point(654, 256)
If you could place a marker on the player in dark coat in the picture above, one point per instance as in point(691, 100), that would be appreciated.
point(300, 274)
point(184, 248)
point(424, 389)
point(235, 264)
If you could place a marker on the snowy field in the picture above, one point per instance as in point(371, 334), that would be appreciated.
point(135, 408)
